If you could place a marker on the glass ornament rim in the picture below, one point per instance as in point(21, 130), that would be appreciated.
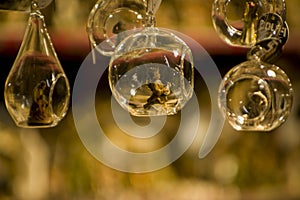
point(154, 32)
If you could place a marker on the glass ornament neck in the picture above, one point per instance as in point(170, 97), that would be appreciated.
point(150, 20)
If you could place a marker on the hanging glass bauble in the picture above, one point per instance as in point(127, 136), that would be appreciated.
point(256, 96)
point(152, 73)
point(109, 18)
point(236, 21)
point(37, 90)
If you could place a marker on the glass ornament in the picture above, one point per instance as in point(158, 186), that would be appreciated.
point(256, 96)
point(236, 21)
point(37, 90)
point(151, 73)
point(109, 18)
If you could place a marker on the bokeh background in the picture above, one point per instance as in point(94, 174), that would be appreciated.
point(54, 164)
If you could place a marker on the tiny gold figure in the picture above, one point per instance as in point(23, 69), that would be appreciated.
point(40, 110)
point(159, 95)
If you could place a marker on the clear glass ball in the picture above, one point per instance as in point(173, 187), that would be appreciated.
point(151, 73)
point(256, 96)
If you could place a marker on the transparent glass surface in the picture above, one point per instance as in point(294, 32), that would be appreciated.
point(236, 21)
point(109, 18)
point(256, 96)
point(152, 73)
point(37, 90)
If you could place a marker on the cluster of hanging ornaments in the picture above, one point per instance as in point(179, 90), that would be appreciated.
point(37, 90)
point(255, 95)
point(151, 70)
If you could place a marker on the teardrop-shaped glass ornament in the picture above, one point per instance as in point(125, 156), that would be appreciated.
point(256, 96)
point(37, 90)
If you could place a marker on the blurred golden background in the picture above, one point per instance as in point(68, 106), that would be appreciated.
point(54, 164)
